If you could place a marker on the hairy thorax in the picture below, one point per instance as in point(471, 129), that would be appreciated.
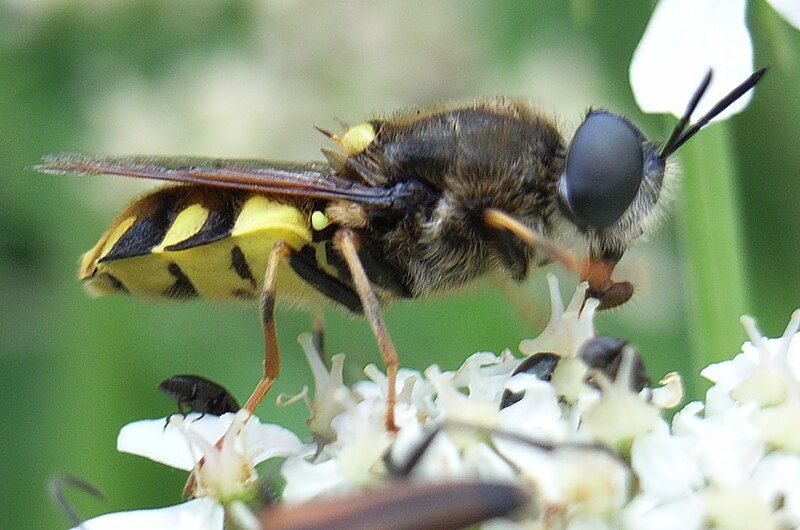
point(492, 154)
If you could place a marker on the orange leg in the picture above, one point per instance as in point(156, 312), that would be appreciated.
point(272, 354)
point(348, 244)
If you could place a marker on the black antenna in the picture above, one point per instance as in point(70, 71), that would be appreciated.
point(673, 144)
point(669, 147)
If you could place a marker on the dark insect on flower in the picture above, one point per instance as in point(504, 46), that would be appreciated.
point(199, 394)
point(414, 204)
point(603, 353)
point(404, 504)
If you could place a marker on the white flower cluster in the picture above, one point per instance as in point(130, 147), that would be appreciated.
point(733, 462)
point(604, 457)
point(574, 484)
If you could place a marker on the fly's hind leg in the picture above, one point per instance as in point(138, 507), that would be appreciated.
point(347, 242)
point(272, 356)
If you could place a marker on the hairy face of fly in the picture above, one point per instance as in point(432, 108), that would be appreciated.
point(612, 181)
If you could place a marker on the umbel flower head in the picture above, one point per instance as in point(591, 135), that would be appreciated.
point(576, 480)
point(605, 457)
point(589, 447)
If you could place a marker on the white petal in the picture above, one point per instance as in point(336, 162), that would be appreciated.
point(777, 479)
point(242, 516)
point(683, 39)
point(305, 480)
point(729, 374)
point(442, 459)
point(322, 378)
point(266, 441)
point(537, 414)
point(789, 9)
point(197, 514)
point(645, 512)
point(566, 332)
point(670, 394)
point(665, 465)
point(590, 522)
point(485, 463)
point(149, 439)
point(718, 400)
point(686, 420)
point(458, 407)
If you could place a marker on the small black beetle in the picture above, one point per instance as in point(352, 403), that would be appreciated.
point(199, 394)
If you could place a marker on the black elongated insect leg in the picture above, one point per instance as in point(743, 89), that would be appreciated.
point(180, 411)
point(272, 354)
point(57, 485)
point(403, 469)
point(319, 335)
point(348, 244)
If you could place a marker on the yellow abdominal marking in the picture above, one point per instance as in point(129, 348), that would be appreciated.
point(187, 224)
point(226, 267)
point(114, 234)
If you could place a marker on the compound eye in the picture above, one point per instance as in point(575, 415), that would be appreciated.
point(604, 169)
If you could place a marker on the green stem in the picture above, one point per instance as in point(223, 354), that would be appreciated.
point(717, 293)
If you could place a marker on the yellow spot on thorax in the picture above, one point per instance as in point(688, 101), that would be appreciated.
point(319, 221)
point(357, 138)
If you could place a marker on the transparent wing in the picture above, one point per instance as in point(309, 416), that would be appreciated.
point(314, 180)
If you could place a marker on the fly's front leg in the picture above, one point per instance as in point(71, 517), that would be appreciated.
point(347, 242)
point(272, 355)
point(596, 269)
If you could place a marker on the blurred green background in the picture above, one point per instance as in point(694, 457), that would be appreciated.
point(250, 79)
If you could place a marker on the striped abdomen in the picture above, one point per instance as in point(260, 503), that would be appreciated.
point(187, 241)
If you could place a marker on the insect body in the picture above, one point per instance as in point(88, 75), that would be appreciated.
point(415, 195)
point(414, 204)
point(402, 506)
point(603, 353)
point(199, 394)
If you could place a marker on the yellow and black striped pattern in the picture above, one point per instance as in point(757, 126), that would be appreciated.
point(191, 241)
